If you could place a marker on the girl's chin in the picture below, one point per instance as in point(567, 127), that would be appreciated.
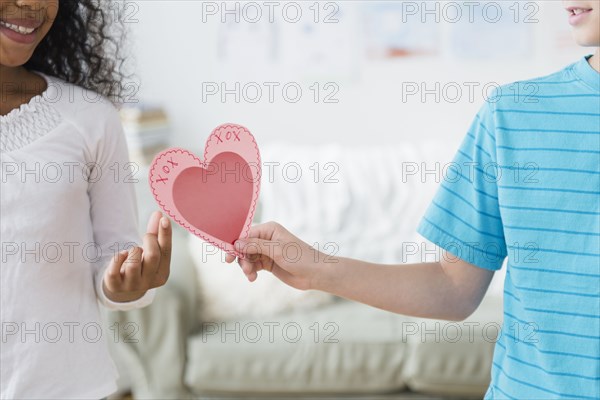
point(12, 60)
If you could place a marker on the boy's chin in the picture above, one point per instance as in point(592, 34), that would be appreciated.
point(586, 40)
point(589, 44)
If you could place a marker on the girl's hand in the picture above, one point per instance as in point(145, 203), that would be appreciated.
point(131, 273)
point(271, 247)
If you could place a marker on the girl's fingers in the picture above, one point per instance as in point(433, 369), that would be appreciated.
point(112, 276)
point(157, 250)
point(153, 222)
point(133, 264)
point(151, 255)
point(229, 258)
point(165, 235)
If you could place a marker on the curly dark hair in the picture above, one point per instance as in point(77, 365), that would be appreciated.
point(84, 47)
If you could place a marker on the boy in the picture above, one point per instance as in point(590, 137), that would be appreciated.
point(532, 195)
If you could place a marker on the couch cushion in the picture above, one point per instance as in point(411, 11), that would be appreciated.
point(344, 347)
point(453, 357)
point(341, 348)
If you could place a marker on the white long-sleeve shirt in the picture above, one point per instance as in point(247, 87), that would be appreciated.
point(67, 205)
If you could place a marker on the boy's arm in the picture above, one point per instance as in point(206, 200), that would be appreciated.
point(447, 290)
point(443, 290)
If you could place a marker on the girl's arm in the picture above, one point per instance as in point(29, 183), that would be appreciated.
point(129, 266)
point(446, 290)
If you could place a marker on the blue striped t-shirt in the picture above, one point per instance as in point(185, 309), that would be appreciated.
point(525, 185)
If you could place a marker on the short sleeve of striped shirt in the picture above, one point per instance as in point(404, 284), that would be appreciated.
point(464, 217)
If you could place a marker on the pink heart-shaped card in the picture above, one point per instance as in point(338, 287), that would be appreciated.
point(213, 198)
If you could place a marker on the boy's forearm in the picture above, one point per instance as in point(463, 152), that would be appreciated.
point(421, 290)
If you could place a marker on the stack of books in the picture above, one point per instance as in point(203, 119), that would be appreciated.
point(147, 131)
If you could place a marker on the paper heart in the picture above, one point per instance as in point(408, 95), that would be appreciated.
point(214, 198)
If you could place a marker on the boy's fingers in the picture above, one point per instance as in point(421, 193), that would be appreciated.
point(252, 277)
point(267, 263)
point(246, 265)
point(282, 274)
point(264, 231)
point(252, 246)
point(249, 268)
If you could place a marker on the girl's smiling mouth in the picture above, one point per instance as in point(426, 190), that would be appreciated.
point(20, 30)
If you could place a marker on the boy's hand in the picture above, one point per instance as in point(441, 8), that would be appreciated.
point(271, 247)
point(131, 273)
point(403, 289)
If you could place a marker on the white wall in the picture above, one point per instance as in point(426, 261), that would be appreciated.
point(176, 53)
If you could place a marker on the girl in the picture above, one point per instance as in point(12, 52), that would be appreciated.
point(547, 223)
point(69, 218)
